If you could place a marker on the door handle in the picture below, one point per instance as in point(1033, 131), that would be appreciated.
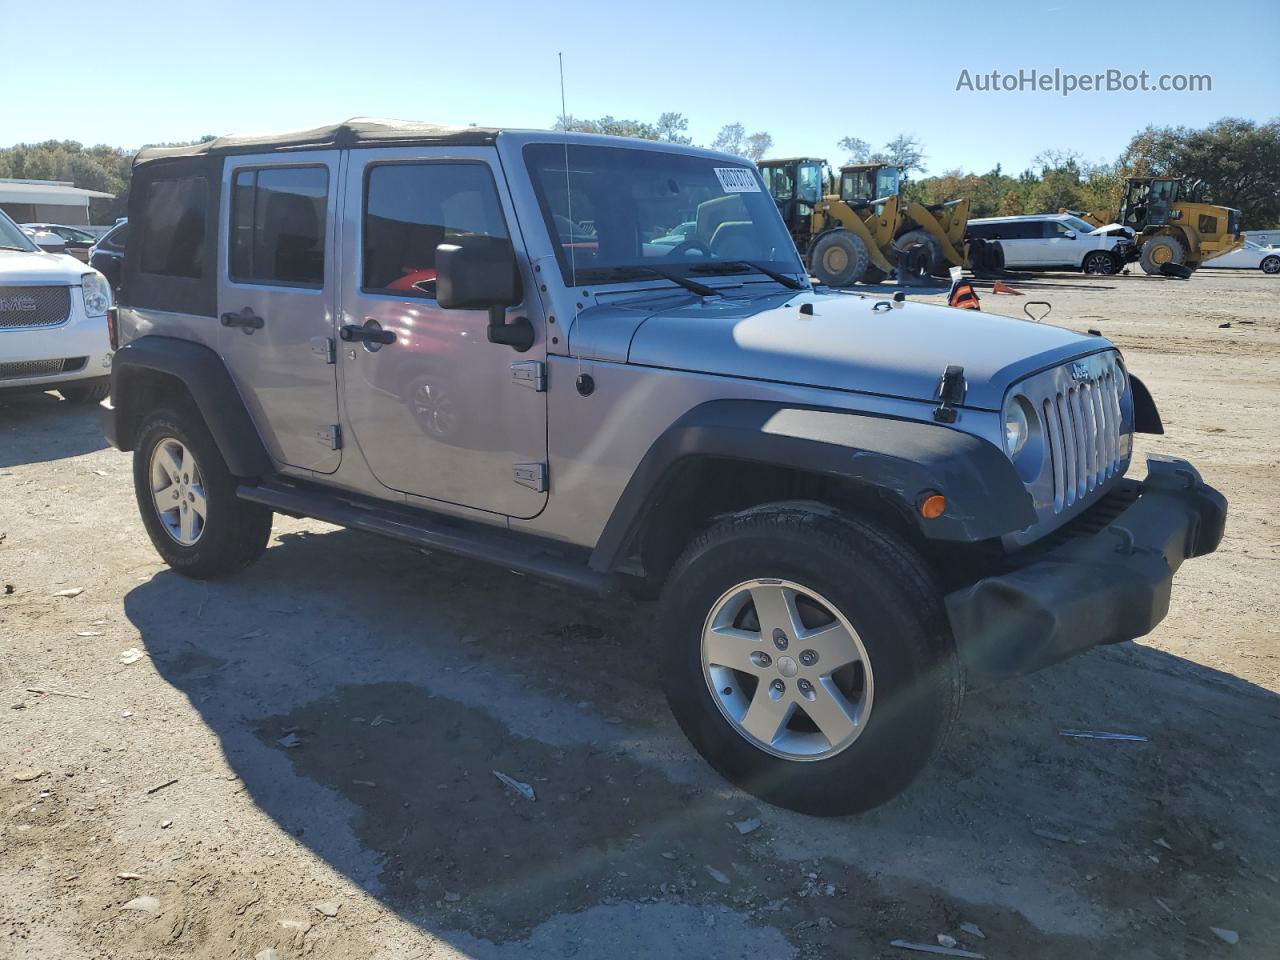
point(371, 334)
point(246, 319)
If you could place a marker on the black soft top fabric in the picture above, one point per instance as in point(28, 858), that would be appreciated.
point(350, 133)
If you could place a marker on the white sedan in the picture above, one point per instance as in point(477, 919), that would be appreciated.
point(1249, 257)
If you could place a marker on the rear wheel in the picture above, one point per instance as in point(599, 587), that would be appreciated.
point(1160, 250)
point(920, 241)
point(807, 657)
point(93, 392)
point(839, 258)
point(187, 498)
point(1100, 263)
point(1270, 265)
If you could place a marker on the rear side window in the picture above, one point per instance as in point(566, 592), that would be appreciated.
point(116, 239)
point(174, 241)
point(411, 208)
point(984, 230)
point(278, 226)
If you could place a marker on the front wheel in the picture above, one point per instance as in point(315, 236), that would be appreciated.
point(1160, 251)
point(807, 657)
point(839, 258)
point(187, 498)
point(94, 391)
point(1100, 263)
point(1270, 265)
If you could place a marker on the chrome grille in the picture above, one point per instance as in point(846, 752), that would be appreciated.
point(34, 306)
point(20, 369)
point(1082, 422)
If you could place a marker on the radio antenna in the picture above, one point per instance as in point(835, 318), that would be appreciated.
point(568, 199)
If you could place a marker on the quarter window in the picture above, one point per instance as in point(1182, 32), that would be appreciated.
point(173, 241)
point(411, 208)
point(278, 226)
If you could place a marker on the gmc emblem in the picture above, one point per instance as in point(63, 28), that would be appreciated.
point(17, 304)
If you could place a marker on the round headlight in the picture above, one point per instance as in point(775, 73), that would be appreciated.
point(1016, 426)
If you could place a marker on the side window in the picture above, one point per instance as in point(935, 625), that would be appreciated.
point(411, 208)
point(173, 241)
point(1021, 230)
point(983, 230)
point(278, 226)
point(1055, 229)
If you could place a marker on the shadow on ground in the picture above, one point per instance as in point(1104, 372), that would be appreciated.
point(365, 694)
point(40, 427)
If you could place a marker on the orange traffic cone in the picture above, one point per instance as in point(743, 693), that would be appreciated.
point(1001, 287)
point(963, 296)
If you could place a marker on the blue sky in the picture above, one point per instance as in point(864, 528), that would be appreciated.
point(238, 66)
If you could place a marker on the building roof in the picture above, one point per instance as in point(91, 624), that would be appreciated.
point(46, 191)
point(349, 133)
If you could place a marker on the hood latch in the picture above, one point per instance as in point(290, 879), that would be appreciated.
point(951, 391)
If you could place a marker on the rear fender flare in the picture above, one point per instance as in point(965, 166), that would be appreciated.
point(206, 378)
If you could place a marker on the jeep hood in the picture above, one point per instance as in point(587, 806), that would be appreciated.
point(847, 343)
point(21, 267)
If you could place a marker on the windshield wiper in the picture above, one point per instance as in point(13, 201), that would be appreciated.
point(790, 283)
point(635, 271)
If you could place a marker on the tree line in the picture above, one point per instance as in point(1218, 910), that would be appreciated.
point(1234, 162)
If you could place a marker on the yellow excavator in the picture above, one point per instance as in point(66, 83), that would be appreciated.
point(863, 228)
point(1174, 233)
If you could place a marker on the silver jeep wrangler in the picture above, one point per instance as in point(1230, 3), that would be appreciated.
point(600, 362)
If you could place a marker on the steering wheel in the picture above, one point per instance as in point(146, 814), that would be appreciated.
point(682, 248)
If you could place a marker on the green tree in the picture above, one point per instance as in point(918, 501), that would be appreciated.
point(733, 138)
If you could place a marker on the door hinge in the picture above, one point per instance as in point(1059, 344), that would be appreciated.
point(324, 347)
point(332, 435)
point(531, 475)
point(531, 374)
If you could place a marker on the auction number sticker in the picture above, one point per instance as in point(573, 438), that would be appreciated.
point(737, 180)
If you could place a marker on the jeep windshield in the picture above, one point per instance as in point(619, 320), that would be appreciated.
point(12, 237)
point(617, 214)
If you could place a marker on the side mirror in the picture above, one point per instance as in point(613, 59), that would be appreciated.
point(1071, 234)
point(482, 275)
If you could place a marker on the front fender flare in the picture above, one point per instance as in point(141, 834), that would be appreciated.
point(905, 458)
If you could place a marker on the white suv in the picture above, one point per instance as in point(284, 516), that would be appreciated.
point(53, 321)
point(1054, 240)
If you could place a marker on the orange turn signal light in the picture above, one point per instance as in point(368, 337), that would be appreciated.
point(933, 506)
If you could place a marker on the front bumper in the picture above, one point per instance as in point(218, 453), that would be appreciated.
point(1110, 585)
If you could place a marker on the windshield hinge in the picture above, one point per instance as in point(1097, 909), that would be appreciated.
point(531, 374)
point(950, 394)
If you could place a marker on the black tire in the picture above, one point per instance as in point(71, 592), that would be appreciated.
point(235, 531)
point(95, 391)
point(1100, 263)
point(1150, 257)
point(935, 265)
point(881, 586)
point(1270, 265)
point(873, 275)
point(839, 258)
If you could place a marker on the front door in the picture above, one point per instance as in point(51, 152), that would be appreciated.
point(437, 411)
point(277, 277)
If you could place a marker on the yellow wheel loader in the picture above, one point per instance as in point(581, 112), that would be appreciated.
point(1172, 229)
point(864, 228)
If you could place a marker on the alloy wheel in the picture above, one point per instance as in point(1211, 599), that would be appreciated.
point(177, 489)
point(787, 669)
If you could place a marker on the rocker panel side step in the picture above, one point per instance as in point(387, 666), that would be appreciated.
point(518, 552)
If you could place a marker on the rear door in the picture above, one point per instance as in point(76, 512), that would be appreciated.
point(439, 411)
point(1021, 242)
point(276, 294)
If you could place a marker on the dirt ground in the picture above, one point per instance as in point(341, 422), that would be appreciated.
point(300, 760)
